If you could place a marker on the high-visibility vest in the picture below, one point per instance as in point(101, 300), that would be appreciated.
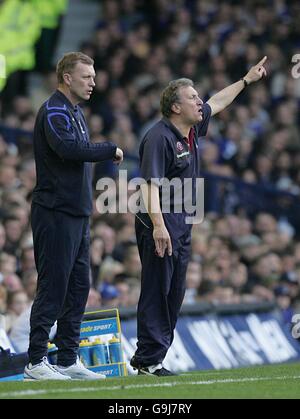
point(20, 27)
point(49, 11)
point(19, 30)
point(8, 29)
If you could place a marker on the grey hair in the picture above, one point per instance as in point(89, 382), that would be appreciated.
point(170, 95)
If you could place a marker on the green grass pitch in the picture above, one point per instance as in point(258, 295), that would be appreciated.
point(266, 382)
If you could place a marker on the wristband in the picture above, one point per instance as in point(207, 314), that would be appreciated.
point(245, 82)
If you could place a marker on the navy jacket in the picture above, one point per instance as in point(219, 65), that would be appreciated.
point(63, 156)
point(165, 153)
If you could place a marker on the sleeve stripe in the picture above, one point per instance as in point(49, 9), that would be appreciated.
point(49, 116)
point(57, 108)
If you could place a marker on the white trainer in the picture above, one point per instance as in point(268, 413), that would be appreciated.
point(78, 371)
point(42, 371)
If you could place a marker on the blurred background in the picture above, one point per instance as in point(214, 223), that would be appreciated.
point(246, 253)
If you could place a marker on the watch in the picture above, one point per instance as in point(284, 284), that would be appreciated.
point(246, 83)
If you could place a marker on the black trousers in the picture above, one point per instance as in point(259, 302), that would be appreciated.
point(61, 250)
point(162, 293)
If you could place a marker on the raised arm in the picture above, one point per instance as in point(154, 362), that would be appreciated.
point(225, 97)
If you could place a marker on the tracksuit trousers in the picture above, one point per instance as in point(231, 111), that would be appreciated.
point(162, 293)
point(61, 250)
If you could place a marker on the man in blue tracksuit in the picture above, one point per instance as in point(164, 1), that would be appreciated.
point(169, 151)
point(61, 206)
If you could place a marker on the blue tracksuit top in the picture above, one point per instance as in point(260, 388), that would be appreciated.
point(63, 156)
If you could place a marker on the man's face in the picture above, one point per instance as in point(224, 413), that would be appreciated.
point(81, 81)
point(190, 105)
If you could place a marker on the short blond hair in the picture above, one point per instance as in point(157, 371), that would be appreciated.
point(68, 62)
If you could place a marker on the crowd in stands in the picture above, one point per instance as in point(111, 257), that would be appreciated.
point(138, 47)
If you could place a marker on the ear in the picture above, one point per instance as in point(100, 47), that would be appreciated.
point(176, 108)
point(67, 78)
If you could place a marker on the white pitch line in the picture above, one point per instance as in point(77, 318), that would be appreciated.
point(24, 393)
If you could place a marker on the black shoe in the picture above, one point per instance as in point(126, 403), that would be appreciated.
point(161, 372)
point(134, 363)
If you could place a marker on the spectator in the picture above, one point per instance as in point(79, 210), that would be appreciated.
point(193, 282)
point(283, 300)
point(109, 296)
point(17, 302)
point(19, 333)
point(238, 278)
point(96, 252)
point(3, 305)
point(13, 229)
point(131, 261)
point(122, 286)
point(94, 300)
point(108, 236)
point(2, 237)
point(109, 269)
point(134, 292)
point(29, 281)
point(8, 264)
point(13, 282)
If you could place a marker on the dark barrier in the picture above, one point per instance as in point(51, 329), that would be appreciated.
point(227, 195)
point(15, 135)
point(12, 365)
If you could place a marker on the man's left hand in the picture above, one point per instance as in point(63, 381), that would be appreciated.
point(256, 72)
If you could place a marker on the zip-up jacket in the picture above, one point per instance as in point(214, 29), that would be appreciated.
point(63, 155)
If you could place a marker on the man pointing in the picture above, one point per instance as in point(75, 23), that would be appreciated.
point(170, 150)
